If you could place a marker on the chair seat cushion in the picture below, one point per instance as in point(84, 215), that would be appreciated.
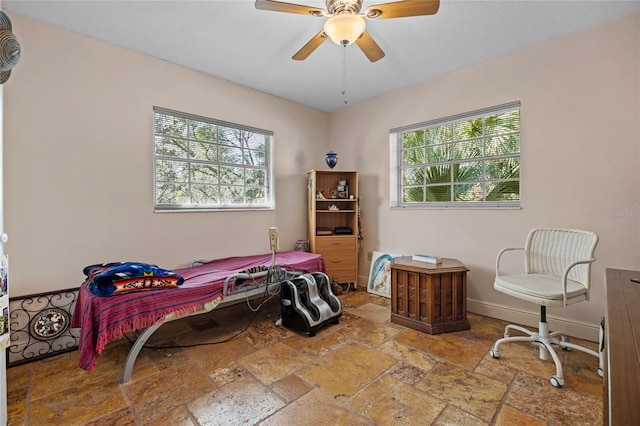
point(541, 289)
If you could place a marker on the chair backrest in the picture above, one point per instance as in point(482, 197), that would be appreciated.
point(550, 251)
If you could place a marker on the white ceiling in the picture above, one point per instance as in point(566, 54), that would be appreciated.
point(232, 40)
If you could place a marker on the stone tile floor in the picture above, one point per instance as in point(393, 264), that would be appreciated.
point(363, 371)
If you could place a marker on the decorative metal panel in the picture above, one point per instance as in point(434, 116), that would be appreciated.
point(40, 326)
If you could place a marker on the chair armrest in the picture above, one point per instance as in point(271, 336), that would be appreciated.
point(500, 255)
point(565, 276)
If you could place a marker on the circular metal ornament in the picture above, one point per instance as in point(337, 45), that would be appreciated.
point(5, 22)
point(4, 76)
point(49, 324)
point(9, 50)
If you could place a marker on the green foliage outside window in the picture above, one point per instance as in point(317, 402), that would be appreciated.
point(467, 160)
point(201, 163)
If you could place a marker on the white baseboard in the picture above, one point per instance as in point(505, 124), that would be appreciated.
point(576, 329)
point(362, 281)
point(580, 330)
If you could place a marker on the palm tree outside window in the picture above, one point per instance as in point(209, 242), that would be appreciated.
point(469, 160)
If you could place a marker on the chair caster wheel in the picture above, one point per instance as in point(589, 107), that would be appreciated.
point(556, 381)
point(494, 353)
point(600, 372)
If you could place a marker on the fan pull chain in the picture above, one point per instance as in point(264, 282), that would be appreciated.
point(344, 71)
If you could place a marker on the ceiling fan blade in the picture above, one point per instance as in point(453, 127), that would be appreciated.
point(311, 45)
point(278, 6)
point(369, 47)
point(401, 9)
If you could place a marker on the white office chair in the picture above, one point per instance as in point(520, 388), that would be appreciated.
point(557, 273)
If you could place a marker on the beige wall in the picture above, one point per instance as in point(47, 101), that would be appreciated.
point(78, 168)
point(78, 160)
point(580, 140)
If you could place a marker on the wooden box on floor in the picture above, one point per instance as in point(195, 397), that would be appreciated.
point(431, 298)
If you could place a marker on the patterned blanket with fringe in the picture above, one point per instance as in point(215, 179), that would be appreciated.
point(103, 319)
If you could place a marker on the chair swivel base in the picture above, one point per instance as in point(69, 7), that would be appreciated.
point(546, 342)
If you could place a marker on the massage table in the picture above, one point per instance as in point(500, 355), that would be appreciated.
point(216, 283)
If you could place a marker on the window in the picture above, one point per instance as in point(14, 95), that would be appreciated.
point(469, 160)
point(201, 163)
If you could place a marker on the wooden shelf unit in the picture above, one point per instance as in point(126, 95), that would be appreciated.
point(340, 251)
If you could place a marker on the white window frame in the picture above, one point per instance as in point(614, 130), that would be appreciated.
point(189, 162)
point(397, 167)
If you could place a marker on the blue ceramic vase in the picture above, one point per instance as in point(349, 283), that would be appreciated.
point(332, 159)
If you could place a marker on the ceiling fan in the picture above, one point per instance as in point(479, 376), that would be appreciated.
point(346, 25)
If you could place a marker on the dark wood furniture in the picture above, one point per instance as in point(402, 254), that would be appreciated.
point(621, 403)
point(431, 298)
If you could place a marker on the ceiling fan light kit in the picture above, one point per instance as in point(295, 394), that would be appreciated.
point(345, 28)
point(346, 23)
